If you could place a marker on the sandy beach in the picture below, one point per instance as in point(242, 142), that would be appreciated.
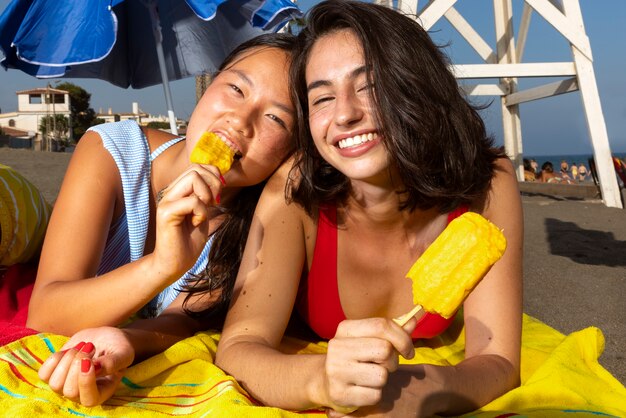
point(574, 262)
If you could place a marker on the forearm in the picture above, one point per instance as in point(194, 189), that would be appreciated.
point(454, 390)
point(155, 335)
point(292, 382)
point(66, 306)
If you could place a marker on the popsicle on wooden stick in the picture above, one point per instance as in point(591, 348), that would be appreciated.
point(453, 264)
point(211, 150)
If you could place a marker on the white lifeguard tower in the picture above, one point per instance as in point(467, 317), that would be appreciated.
point(505, 64)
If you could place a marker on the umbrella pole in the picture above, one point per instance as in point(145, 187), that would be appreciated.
point(156, 30)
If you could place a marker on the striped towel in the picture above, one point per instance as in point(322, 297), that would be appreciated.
point(561, 377)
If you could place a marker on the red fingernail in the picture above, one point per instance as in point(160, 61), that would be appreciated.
point(217, 199)
point(222, 180)
point(85, 365)
point(87, 348)
point(79, 346)
point(97, 366)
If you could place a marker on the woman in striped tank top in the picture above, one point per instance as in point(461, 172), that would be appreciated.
point(117, 254)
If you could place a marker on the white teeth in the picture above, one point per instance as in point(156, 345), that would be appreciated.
point(357, 140)
point(228, 142)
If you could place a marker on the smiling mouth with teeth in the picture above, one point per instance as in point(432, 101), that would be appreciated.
point(357, 140)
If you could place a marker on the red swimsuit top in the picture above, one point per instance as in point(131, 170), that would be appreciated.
point(318, 297)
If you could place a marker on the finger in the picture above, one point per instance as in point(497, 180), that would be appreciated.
point(378, 328)
point(110, 364)
point(331, 413)
point(48, 366)
point(176, 211)
point(363, 350)
point(201, 181)
point(87, 387)
point(410, 325)
point(71, 387)
point(56, 376)
point(95, 391)
point(369, 375)
point(206, 171)
point(358, 396)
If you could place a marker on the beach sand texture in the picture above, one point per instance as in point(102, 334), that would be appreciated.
point(574, 257)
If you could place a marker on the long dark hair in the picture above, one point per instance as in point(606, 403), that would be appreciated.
point(435, 138)
point(229, 239)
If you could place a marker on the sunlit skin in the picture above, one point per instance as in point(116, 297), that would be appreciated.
point(340, 108)
point(248, 104)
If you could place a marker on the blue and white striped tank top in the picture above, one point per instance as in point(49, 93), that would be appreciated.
point(127, 236)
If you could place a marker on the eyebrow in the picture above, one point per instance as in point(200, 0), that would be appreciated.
point(321, 83)
point(244, 77)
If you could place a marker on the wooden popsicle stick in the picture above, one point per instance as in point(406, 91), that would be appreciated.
point(402, 320)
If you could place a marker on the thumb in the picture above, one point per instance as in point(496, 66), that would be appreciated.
point(109, 364)
point(331, 413)
point(409, 327)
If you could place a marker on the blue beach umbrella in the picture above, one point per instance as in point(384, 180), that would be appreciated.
point(132, 43)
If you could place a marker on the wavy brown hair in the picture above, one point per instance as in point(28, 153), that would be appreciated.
point(229, 239)
point(434, 136)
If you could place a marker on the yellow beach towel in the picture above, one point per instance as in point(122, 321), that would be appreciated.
point(561, 377)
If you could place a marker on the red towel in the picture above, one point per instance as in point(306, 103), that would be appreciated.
point(16, 286)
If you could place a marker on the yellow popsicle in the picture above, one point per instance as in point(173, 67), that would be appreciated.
point(453, 265)
point(210, 149)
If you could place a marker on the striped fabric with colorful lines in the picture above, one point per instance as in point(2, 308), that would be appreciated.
point(560, 375)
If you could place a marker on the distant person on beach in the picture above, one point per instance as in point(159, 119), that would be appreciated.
point(535, 166)
point(582, 172)
point(574, 171)
point(115, 254)
point(529, 173)
point(564, 173)
point(547, 174)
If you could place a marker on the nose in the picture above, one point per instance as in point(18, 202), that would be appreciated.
point(349, 108)
point(240, 120)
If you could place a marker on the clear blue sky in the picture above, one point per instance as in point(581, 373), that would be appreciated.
point(550, 126)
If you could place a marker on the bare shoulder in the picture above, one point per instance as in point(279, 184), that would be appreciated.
point(274, 193)
point(91, 155)
point(278, 181)
point(92, 179)
point(157, 137)
point(503, 193)
point(274, 207)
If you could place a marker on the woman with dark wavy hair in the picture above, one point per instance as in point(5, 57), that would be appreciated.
point(388, 153)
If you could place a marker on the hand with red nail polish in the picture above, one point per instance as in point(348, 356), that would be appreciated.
point(90, 365)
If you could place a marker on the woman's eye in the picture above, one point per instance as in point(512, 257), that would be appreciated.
point(277, 120)
point(236, 89)
point(320, 100)
point(366, 87)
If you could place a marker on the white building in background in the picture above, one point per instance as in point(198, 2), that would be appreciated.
point(32, 106)
point(138, 115)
